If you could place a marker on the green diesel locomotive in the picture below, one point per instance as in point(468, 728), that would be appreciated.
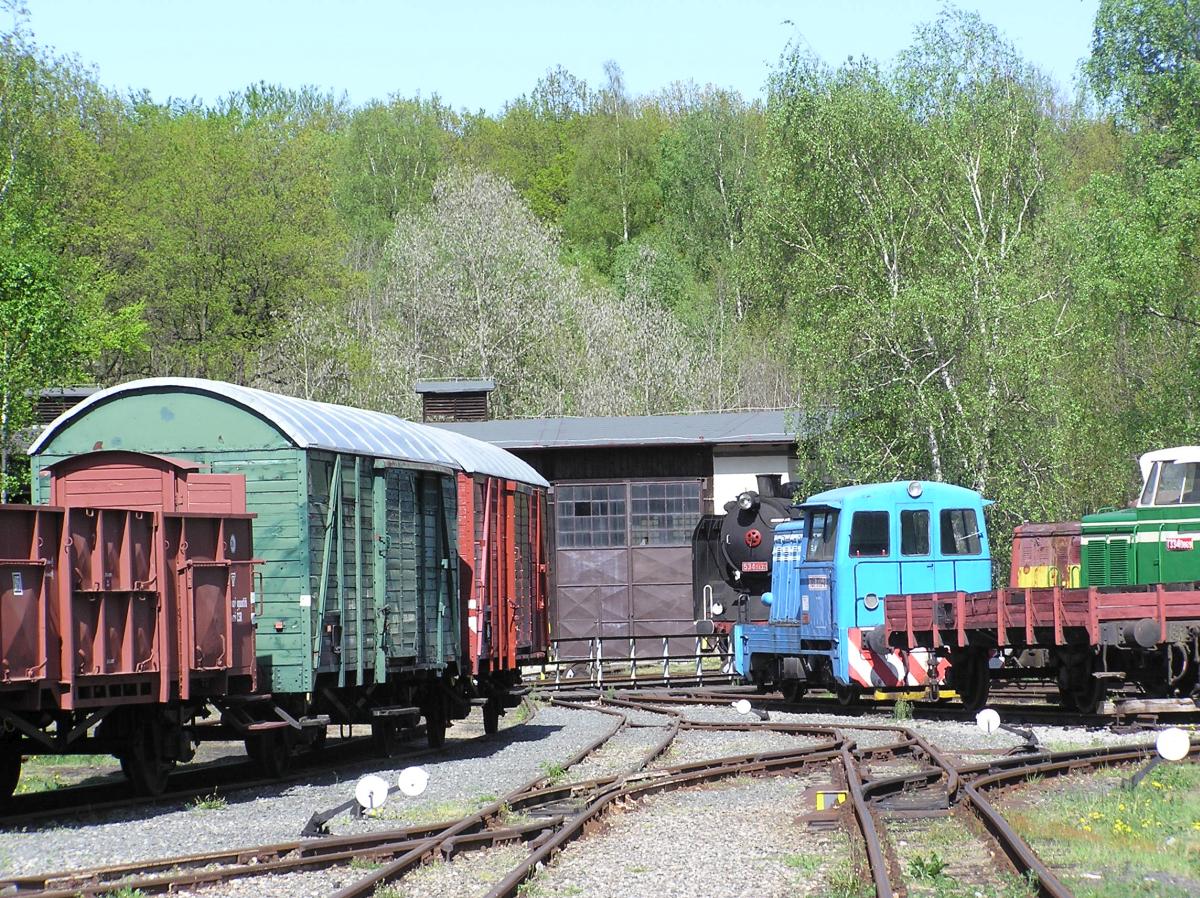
point(1156, 541)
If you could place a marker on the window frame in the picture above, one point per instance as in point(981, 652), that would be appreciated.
point(928, 532)
point(866, 514)
point(946, 528)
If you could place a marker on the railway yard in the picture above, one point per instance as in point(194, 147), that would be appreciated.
point(647, 791)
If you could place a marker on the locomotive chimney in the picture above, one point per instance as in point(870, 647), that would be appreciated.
point(768, 484)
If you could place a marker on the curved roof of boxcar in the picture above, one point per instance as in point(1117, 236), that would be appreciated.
point(322, 425)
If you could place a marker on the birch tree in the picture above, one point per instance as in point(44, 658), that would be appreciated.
point(900, 216)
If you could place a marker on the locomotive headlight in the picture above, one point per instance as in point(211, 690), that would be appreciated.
point(871, 601)
point(746, 501)
point(914, 489)
point(718, 608)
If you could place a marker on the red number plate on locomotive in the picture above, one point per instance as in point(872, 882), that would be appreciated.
point(754, 567)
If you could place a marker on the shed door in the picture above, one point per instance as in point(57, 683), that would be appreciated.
point(624, 565)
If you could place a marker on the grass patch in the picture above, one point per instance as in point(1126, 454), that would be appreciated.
point(806, 863)
point(1110, 841)
point(364, 863)
point(522, 712)
point(125, 892)
point(553, 771)
point(211, 802)
point(902, 710)
point(34, 780)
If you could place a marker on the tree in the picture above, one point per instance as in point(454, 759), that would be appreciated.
point(899, 224)
point(387, 159)
point(53, 324)
point(614, 190)
point(222, 220)
point(1145, 64)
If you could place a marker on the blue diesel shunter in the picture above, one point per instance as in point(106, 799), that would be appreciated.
point(832, 568)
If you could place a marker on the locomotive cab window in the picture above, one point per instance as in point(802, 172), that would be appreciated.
point(914, 532)
point(822, 535)
point(869, 534)
point(1174, 483)
point(960, 532)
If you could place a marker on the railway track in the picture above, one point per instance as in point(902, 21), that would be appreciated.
point(899, 776)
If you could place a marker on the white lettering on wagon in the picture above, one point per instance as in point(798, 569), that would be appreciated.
point(1180, 543)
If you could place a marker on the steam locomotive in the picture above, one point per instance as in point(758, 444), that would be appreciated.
point(731, 556)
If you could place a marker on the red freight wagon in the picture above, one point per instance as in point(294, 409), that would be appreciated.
point(503, 579)
point(1089, 635)
point(125, 620)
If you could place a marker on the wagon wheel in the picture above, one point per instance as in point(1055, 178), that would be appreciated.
point(271, 751)
point(491, 716)
point(435, 727)
point(386, 735)
point(1066, 695)
point(10, 767)
point(144, 762)
point(1088, 691)
point(846, 694)
point(972, 679)
point(793, 690)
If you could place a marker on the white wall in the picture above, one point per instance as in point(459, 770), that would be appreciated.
point(733, 474)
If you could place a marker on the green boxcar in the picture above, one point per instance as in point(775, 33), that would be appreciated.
point(356, 524)
point(1158, 540)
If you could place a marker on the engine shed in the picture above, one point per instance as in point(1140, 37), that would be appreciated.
point(627, 493)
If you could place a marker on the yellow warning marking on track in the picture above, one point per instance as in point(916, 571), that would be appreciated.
point(827, 800)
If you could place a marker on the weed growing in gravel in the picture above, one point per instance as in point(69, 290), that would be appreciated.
point(364, 863)
point(926, 867)
point(210, 802)
point(522, 712)
point(553, 771)
point(125, 892)
point(902, 710)
point(846, 882)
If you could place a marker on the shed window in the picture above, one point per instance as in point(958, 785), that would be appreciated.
point(960, 532)
point(869, 534)
point(591, 516)
point(822, 535)
point(663, 514)
point(914, 532)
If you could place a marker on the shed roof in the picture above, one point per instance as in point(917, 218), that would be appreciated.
point(455, 386)
point(322, 425)
point(764, 427)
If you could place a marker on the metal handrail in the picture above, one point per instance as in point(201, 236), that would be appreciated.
point(599, 662)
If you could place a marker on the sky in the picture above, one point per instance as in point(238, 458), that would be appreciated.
point(479, 55)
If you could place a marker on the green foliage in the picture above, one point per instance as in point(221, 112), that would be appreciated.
point(926, 867)
point(1145, 64)
point(211, 802)
point(954, 274)
point(902, 710)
